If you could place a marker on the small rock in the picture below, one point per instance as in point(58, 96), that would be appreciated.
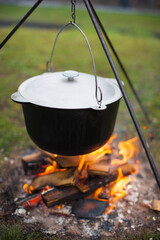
point(158, 229)
point(20, 212)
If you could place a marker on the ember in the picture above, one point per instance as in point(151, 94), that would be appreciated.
point(101, 175)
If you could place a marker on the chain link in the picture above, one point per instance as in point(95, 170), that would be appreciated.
point(73, 8)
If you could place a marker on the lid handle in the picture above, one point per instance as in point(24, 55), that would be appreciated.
point(98, 91)
point(70, 75)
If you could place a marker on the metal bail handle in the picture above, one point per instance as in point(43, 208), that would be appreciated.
point(98, 92)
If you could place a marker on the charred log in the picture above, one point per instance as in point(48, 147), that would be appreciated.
point(33, 163)
point(60, 178)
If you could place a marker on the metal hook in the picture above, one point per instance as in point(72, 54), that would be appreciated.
point(73, 10)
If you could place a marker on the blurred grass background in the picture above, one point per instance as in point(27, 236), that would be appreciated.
point(136, 38)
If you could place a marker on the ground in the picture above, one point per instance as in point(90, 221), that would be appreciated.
point(136, 39)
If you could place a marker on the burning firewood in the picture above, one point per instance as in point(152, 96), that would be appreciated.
point(33, 163)
point(29, 201)
point(82, 187)
point(60, 178)
point(102, 170)
point(54, 197)
point(32, 157)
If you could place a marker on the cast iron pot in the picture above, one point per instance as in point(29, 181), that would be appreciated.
point(62, 115)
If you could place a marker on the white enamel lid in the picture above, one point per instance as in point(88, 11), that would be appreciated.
point(68, 90)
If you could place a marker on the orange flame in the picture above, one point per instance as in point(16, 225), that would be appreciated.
point(49, 169)
point(28, 189)
point(118, 190)
point(127, 149)
point(88, 159)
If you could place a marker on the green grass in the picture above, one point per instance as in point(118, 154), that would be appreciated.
point(28, 50)
point(10, 233)
point(15, 232)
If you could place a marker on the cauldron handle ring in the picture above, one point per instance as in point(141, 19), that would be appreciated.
point(50, 68)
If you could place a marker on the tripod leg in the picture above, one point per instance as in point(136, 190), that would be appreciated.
point(20, 23)
point(120, 64)
point(128, 104)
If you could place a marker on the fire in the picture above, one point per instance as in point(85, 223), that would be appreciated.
point(28, 189)
point(50, 169)
point(117, 189)
point(88, 159)
point(127, 149)
point(121, 182)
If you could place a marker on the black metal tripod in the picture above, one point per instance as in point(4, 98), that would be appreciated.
point(100, 29)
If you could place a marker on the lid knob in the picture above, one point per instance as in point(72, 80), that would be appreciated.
point(70, 75)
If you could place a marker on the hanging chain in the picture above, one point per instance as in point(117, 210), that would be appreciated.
point(73, 9)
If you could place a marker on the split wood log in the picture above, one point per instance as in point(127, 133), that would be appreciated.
point(156, 205)
point(63, 161)
point(54, 197)
point(60, 178)
point(32, 157)
point(100, 169)
point(32, 163)
point(82, 187)
point(73, 161)
point(104, 169)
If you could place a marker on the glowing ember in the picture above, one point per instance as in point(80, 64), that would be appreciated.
point(34, 202)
